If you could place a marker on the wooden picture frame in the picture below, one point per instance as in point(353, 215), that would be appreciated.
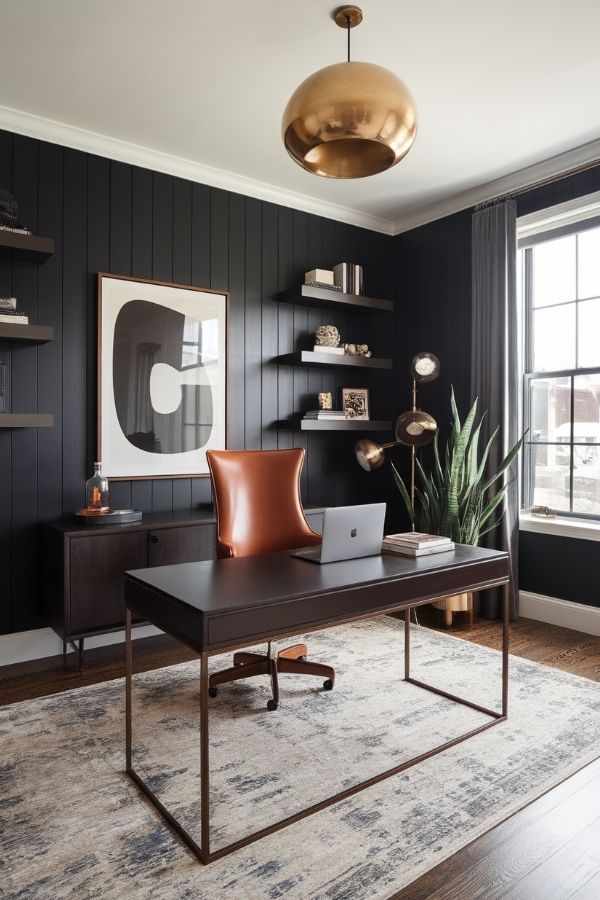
point(355, 403)
point(162, 377)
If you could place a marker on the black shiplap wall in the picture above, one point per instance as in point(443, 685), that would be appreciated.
point(109, 216)
point(434, 277)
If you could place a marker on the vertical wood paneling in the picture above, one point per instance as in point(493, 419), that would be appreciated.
point(236, 215)
point(141, 223)
point(25, 536)
point(269, 326)
point(108, 216)
point(98, 260)
point(182, 231)
point(285, 276)
point(74, 293)
point(6, 149)
point(252, 327)
point(162, 227)
point(49, 387)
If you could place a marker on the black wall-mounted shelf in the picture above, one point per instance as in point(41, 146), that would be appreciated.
point(336, 425)
point(325, 299)
point(26, 334)
point(26, 247)
point(26, 420)
point(310, 358)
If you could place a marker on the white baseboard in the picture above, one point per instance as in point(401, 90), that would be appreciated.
point(43, 642)
point(576, 616)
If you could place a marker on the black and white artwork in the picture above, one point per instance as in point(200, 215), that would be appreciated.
point(162, 377)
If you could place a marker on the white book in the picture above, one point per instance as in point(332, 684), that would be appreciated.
point(415, 551)
point(325, 276)
point(320, 348)
point(14, 320)
point(325, 414)
point(417, 539)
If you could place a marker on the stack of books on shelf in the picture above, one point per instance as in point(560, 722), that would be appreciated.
point(415, 543)
point(321, 278)
point(325, 414)
point(17, 229)
point(10, 313)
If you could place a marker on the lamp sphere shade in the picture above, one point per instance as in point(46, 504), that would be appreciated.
point(349, 120)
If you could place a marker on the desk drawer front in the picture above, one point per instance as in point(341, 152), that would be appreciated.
point(270, 620)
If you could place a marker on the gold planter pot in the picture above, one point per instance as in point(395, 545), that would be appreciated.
point(456, 603)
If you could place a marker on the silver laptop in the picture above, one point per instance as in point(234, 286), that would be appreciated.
point(349, 532)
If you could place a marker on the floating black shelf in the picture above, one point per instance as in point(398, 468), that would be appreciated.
point(27, 247)
point(336, 425)
point(26, 420)
point(26, 334)
point(310, 358)
point(325, 299)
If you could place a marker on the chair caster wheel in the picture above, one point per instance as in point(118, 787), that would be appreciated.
point(272, 705)
point(328, 685)
point(212, 692)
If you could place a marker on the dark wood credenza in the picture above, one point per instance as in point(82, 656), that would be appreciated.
point(84, 566)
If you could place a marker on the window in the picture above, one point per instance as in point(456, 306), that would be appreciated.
point(560, 291)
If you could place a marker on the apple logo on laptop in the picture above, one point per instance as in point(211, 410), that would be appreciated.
point(353, 532)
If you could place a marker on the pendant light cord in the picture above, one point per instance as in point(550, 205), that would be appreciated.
point(348, 29)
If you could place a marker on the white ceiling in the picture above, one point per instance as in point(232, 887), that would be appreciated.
point(498, 87)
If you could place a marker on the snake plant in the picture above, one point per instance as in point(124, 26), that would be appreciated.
point(456, 499)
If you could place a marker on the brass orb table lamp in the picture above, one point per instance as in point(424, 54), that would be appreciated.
point(414, 428)
point(351, 119)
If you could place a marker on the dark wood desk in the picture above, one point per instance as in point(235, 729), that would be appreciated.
point(223, 605)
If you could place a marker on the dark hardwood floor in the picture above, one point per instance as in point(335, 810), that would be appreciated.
point(550, 850)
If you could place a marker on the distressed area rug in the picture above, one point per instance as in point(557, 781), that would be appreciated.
point(72, 824)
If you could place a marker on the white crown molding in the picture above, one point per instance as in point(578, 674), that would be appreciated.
point(523, 178)
point(112, 148)
point(576, 616)
point(55, 132)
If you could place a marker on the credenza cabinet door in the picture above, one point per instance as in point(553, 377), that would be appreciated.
point(97, 565)
point(169, 546)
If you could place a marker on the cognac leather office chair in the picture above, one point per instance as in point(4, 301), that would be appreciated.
point(257, 499)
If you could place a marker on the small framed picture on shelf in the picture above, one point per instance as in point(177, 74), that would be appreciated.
point(355, 403)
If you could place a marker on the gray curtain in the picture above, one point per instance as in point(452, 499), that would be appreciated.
point(495, 363)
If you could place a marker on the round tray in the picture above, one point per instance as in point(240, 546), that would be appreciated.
point(112, 517)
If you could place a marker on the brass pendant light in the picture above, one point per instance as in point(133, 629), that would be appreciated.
point(351, 119)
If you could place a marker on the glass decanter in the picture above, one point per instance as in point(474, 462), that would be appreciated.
point(96, 490)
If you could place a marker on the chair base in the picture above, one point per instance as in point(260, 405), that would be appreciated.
point(291, 661)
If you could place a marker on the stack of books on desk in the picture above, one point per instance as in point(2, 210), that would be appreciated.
point(414, 543)
point(10, 313)
point(325, 414)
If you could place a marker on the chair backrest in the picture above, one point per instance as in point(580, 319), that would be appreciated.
point(257, 499)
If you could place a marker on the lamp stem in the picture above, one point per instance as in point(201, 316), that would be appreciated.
point(413, 455)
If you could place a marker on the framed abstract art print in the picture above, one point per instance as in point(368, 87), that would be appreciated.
point(162, 377)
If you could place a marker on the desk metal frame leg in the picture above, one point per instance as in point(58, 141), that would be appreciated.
point(202, 851)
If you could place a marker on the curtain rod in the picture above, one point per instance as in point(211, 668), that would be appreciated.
point(532, 186)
